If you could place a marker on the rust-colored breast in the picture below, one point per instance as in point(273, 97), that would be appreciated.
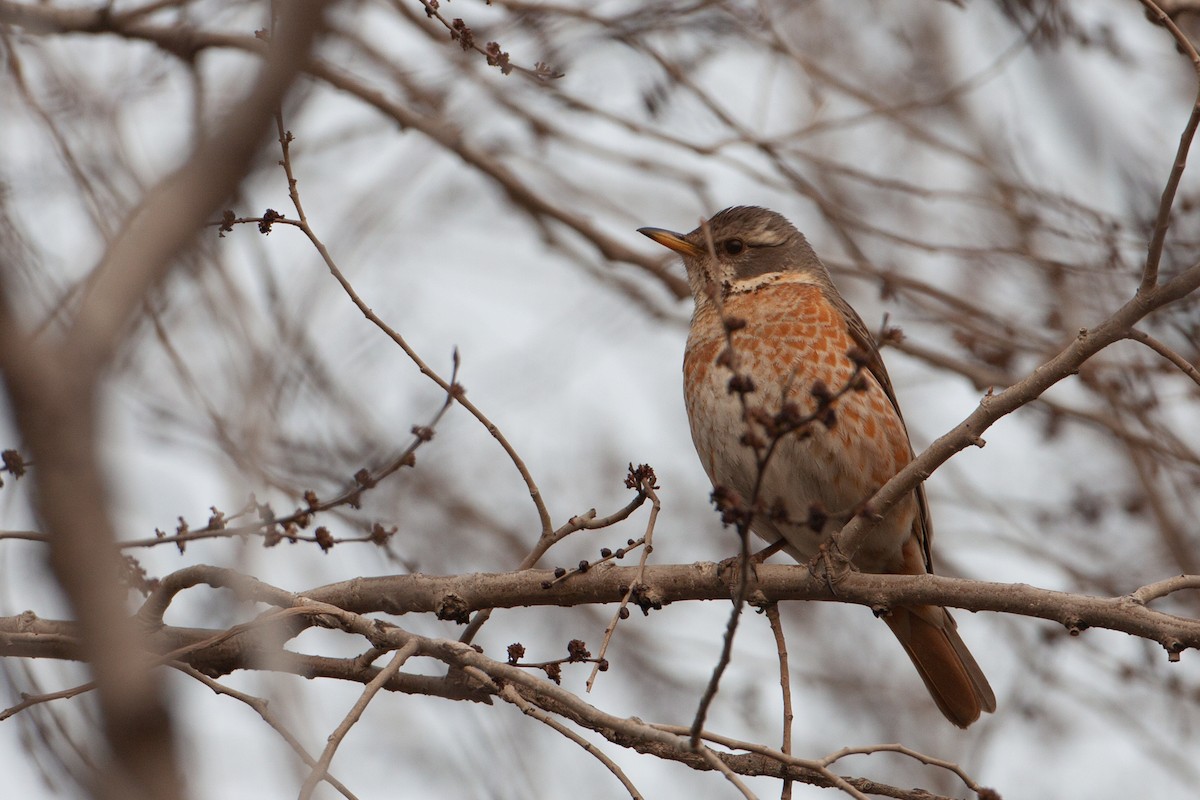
point(793, 337)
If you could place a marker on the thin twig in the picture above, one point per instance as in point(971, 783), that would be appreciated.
point(288, 525)
point(648, 490)
point(464, 36)
point(808, 764)
point(932, 761)
point(511, 695)
point(1186, 367)
point(1163, 220)
point(534, 494)
point(720, 766)
point(320, 769)
point(785, 687)
point(580, 522)
point(37, 699)
point(1158, 589)
point(261, 708)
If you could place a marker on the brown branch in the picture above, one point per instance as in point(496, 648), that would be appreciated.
point(320, 770)
point(771, 582)
point(913, 754)
point(552, 697)
point(645, 489)
point(511, 695)
point(667, 742)
point(985, 377)
point(262, 708)
point(451, 389)
point(819, 773)
point(1186, 367)
point(785, 687)
point(1158, 589)
point(31, 637)
point(477, 669)
point(1163, 220)
point(452, 596)
point(30, 701)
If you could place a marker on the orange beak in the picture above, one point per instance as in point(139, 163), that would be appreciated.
point(674, 241)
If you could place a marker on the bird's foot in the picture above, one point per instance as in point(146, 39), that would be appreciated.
point(831, 564)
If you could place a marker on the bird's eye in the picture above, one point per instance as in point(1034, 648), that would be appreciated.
point(734, 246)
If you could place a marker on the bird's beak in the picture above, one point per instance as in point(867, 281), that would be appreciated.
point(673, 240)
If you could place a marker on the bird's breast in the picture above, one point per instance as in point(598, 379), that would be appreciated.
point(793, 345)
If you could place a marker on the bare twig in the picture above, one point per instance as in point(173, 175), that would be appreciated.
point(261, 708)
point(451, 389)
point(1186, 367)
point(37, 699)
point(462, 33)
point(646, 488)
point(320, 769)
point(1167, 202)
point(1158, 589)
point(511, 695)
point(805, 764)
point(785, 687)
point(913, 754)
point(580, 522)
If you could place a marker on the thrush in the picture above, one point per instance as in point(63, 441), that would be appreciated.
point(778, 363)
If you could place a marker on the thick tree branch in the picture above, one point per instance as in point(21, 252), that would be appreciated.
point(29, 636)
point(452, 597)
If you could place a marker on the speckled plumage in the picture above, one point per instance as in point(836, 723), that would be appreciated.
point(752, 265)
point(796, 337)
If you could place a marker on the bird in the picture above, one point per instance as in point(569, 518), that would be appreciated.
point(778, 364)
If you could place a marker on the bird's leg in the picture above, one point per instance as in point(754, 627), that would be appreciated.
point(735, 562)
point(768, 551)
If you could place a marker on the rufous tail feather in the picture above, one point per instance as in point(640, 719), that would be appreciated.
point(956, 683)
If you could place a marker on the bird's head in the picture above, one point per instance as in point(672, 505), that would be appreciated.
point(739, 247)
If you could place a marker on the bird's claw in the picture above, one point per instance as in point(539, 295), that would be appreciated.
point(831, 564)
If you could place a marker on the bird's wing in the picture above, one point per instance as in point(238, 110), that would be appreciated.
point(863, 338)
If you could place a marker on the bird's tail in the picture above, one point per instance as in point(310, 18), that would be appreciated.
point(930, 637)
